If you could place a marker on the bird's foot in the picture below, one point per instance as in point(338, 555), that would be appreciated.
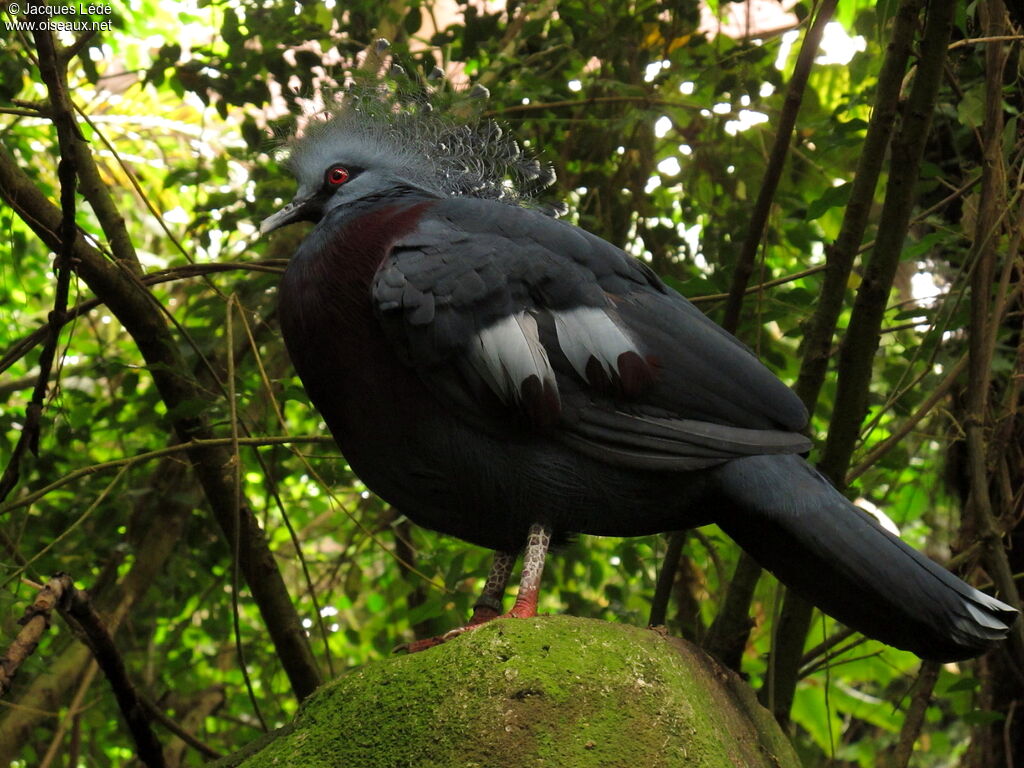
point(525, 611)
point(481, 616)
point(420, 645)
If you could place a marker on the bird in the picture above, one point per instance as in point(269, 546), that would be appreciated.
point(503, 376)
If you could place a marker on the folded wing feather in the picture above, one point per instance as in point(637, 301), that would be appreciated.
point(508, 353)
point(589, 332)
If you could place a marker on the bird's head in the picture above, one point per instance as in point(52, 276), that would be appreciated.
point(342, 159)
point(369, 148)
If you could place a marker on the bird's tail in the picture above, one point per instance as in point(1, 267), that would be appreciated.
point(796, 525)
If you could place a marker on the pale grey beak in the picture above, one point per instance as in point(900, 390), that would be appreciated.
point(294, 211)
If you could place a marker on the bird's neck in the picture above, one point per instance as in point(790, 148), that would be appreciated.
point(337, 261)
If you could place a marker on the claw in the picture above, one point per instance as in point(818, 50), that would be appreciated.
point(419, 645)
point(481, 615)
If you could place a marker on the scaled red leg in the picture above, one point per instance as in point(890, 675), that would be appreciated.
point(488, 605)
point(536, 551)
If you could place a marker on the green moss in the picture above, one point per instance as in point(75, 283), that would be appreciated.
point(553, 691)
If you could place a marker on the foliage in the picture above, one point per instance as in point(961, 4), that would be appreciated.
point(653, 128)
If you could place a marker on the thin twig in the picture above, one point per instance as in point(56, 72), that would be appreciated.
point(981, 343)
point(829, 662)
point(67, 172)
point(762, 286)
point(19, 112)
point(191, 445)
point(79, 608)
point(923, 687)
point(583, 102)
point(282, 510)
point(171, 725)
point(74, 709)
point(21, 347)
point(235, 535)
point(34, 624)
point(976, 40)
point(826, 645)
point(938, 393)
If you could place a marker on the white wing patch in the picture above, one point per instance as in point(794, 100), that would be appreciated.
point(508, 353)
point(586, 332)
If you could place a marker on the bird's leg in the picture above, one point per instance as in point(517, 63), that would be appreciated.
point(488, 605)
point(537, 543)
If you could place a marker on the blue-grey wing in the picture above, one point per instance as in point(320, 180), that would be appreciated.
point(504, 311)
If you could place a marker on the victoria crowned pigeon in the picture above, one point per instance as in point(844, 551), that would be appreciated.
point(505, 377)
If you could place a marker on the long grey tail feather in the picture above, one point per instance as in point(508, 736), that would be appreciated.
point(796, 525)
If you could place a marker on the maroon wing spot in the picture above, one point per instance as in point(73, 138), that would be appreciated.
point(635, 373)
point(597, 376)
point(540, 401)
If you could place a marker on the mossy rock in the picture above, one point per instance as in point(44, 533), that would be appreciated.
point(552, 691)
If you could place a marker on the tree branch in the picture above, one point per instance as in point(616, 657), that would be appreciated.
point(77, 606)
point(927, 676)
point(817, 340)
point(727, 638)
point(729, 631)
point(776, 161)
point(861, 341)
point(33, 624)
point(982, 338)
point(67, 173)
point(166, 508)
point(135, 308)
point(666, 577)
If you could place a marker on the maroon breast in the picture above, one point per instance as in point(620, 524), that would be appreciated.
point(327, 320)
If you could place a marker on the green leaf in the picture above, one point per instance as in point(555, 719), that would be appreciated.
point(834, 197)
point(965, 684)
point(971, 109)
point(983, 717)
point(455, 570)
point(413, 20)
point(187, 409)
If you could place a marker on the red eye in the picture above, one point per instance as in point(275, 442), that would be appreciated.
point(337, 176)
